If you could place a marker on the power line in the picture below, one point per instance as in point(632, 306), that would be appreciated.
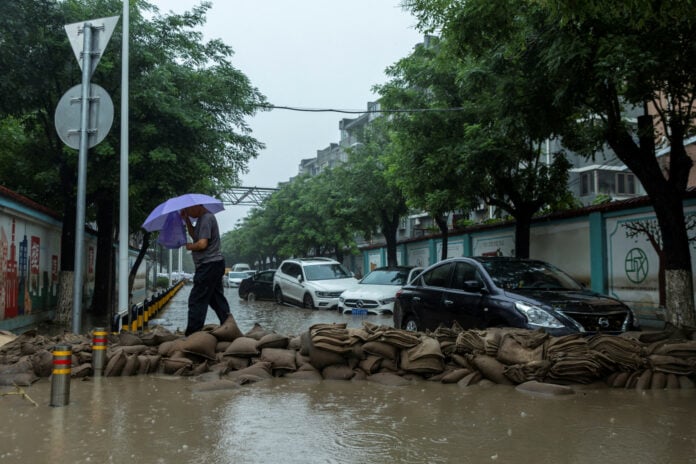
point(333, 110)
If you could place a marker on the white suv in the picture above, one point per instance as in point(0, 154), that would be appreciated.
point(311, 282)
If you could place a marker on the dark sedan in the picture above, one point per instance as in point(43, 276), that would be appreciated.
point(482, 292)
point(258, 286)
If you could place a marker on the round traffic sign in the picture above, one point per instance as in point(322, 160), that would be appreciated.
point(68, 111)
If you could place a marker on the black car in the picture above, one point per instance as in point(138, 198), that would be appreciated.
point(258, 286)
point(481, 292)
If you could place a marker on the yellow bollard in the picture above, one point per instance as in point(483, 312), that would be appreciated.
point(60, 379)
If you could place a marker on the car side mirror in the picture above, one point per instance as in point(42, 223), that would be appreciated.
point(299, 277)
point(473, 286)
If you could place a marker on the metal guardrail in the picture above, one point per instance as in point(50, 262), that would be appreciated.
point(141, 313)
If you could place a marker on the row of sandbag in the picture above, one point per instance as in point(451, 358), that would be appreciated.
point(666, 360)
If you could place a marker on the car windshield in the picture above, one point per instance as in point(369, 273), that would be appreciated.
point(237, 275)
point(529, 275)
point(385, 277)
point(326, 271)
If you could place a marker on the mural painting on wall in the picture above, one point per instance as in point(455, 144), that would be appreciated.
point(637, 271)
point(22, 289)
point(501, 245)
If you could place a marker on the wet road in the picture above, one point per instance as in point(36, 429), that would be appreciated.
point(156, 419)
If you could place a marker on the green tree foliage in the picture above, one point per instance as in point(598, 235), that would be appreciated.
point(490, 149)
point(425, 161)
point(188, 104)
point(602, 62)
point(373, 202)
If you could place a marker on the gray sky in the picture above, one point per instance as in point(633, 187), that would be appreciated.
point(309, 54)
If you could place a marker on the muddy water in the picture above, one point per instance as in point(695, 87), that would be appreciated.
point(155, 419)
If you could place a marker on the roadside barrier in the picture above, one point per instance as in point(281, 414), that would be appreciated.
point(136, 319)
point(98, 351)
point(60, 378)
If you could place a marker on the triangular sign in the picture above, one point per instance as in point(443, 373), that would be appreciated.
point(102, 29)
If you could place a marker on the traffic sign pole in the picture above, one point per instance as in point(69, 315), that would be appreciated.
point(82, 179)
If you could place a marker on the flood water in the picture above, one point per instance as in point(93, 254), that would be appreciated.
point(158, 419)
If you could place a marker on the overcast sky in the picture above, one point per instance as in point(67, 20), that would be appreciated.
point(309, 54)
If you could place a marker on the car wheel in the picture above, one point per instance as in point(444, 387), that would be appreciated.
point(278, 296)
point(307, 301)
point(411, 323)
point(251, 296)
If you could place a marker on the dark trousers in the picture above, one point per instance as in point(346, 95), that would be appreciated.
point(207, 290)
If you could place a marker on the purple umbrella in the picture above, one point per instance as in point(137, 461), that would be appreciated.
point(165, 217)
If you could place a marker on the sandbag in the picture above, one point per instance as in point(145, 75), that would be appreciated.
point(21, 379)
point(380, 349)
point(455, 375)
point(272, 340)
point(143, 364)
point(492, 369)
point(228, 331)
point(81, 371)
point(128, 339)
point(280, 359)
point(176, 366)
point(257, 332)
point(115, 364)
point(201, 344)
point(236, 363)
point(544, 389)
point(337, 372)
point(312, 375)
point(242, 346)
point(42, 361)
point(131, 366)
point(390, 380)
point(471, 379)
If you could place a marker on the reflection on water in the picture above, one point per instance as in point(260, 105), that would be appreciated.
point(157, 419)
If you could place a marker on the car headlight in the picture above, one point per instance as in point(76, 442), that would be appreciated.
point(538, 316)
point(341, 299)
point(386, 301)
point(324, 294)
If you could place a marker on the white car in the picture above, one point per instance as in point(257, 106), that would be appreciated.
point(235, 278)
point(376, 292)
point(311, 282)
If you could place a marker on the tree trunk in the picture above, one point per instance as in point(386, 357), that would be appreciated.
point(104, 276)
point(679, 300)
point(442, 225)
point(523, 224)
point(390, 227)
point(666, 195)
point(65, 291)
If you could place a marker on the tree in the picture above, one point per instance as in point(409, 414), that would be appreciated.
point(424, 161)
point(602, 61)
point(188, 106)
point(375, 203)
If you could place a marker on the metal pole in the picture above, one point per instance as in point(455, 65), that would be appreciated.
point(60, 378)
point(99, 351)
point(123, 300)
point(82, 179)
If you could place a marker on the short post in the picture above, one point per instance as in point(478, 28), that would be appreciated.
point(98, 351)
point(60, 380)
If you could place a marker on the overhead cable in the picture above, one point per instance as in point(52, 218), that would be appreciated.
point(332, 110)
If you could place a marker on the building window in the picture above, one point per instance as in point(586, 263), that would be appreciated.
point(625, 183)
point(586, 183)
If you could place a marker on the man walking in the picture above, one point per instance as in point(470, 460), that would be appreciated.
point(210, 267)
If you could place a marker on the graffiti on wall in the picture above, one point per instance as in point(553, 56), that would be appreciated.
point(28, 271)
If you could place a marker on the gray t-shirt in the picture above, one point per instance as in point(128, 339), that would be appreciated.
point(207, 227)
